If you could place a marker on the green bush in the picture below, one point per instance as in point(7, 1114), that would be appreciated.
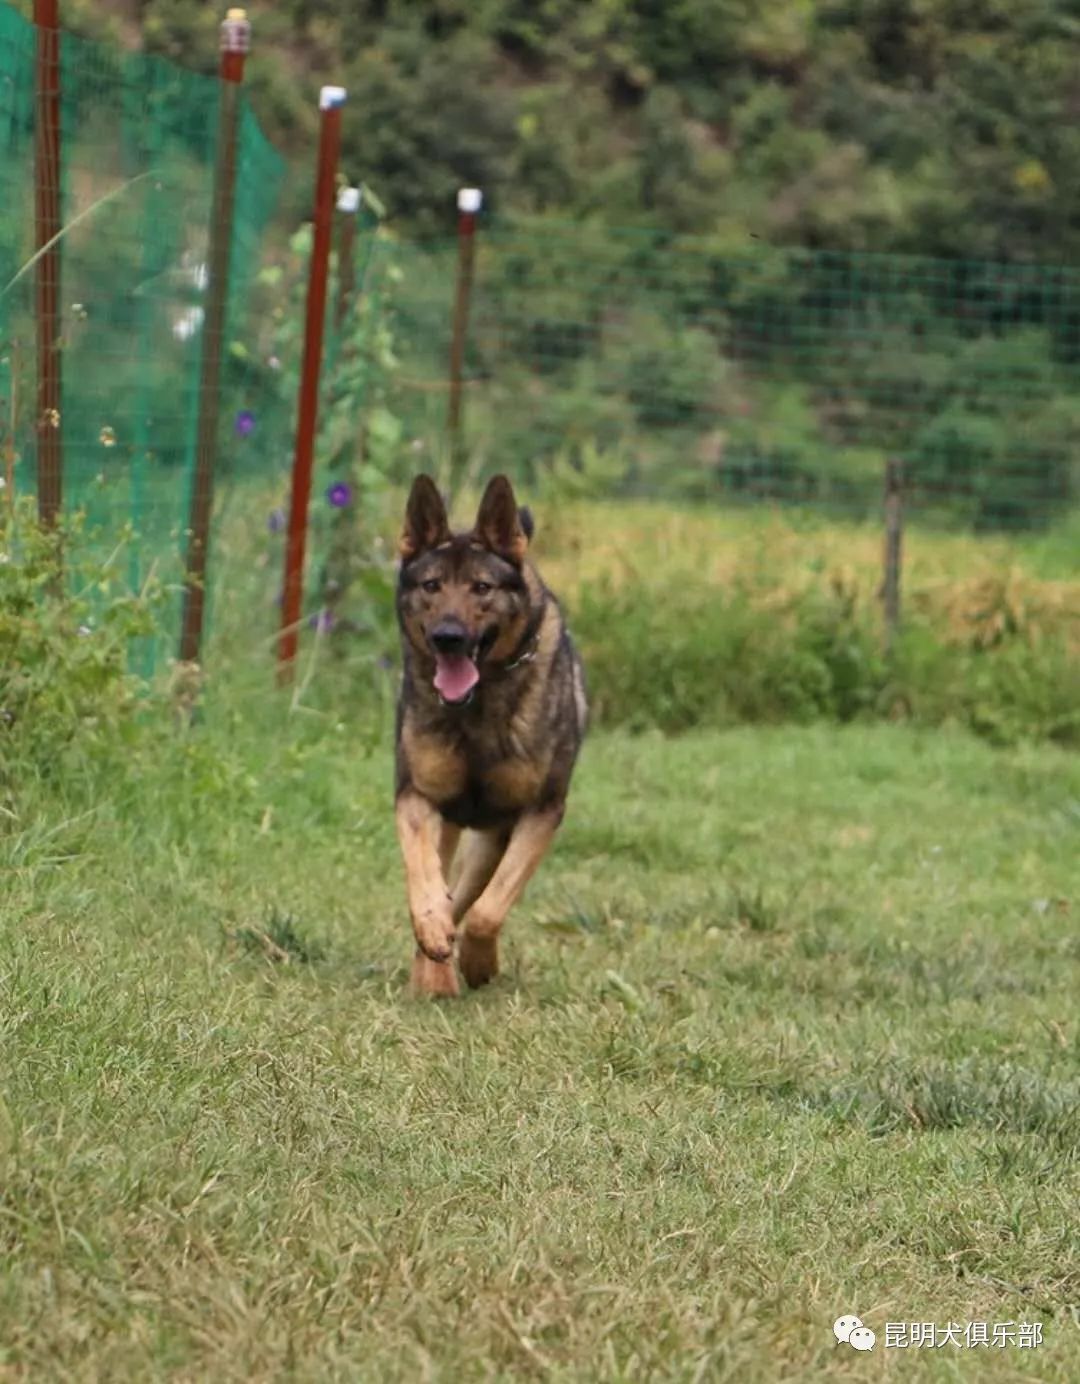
point(65, 633)
point(673, 658)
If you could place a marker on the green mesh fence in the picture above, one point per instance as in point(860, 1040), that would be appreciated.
point(138, 139)
point(640, 364)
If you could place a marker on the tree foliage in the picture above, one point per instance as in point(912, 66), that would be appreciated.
point(916, 125)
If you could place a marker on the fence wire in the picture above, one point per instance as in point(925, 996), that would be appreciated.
point(649, 365)
point(137, 138)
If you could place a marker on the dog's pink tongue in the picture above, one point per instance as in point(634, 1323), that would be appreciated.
point(455, 676)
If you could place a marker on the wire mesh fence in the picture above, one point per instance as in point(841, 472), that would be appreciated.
point(667, 367)
point(137, 137)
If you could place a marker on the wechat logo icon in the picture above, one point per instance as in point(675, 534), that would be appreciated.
point(850, 1329)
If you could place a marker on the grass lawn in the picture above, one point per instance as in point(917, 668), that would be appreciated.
point(788, 1029)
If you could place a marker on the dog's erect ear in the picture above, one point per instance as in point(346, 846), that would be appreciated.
point(498, 524)
point(426, 525)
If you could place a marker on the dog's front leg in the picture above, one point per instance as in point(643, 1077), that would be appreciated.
point(419, 826)
point(528, 844)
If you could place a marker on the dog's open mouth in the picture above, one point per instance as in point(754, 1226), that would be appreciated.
point(455, 676)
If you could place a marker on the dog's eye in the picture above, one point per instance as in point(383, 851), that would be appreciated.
point(481, 588)
point(431, 586)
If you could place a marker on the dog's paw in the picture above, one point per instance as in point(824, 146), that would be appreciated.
point(438, 979)
point(478, 958)
point(435, 935)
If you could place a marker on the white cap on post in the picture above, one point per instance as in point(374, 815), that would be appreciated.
point(236, 32)
point(331, 97)
point(349, 199)
point(469, 199)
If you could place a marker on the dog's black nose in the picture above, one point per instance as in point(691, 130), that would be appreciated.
point(449, 637)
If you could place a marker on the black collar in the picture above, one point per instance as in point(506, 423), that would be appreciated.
point(529, 644)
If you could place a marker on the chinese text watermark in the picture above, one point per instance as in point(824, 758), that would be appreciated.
point(921, 1335)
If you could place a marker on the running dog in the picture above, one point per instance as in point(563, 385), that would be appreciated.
point(490, 720)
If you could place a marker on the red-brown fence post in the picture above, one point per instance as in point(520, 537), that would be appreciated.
point(235, 43)
point(47, 226)
point(469, 201)
point(331, 100)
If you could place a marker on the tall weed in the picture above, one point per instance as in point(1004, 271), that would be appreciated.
point(663, 654)
point(67, 619)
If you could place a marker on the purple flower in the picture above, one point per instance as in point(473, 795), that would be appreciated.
point(339, 494)
point(244, 423)
point(323, 621)
point(275, 521)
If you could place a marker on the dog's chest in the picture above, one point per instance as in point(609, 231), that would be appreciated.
point(479, 779)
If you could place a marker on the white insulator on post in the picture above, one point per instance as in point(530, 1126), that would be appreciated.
point(236, 32)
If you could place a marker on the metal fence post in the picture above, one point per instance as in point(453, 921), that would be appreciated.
point(894, 533)
point(348, 204)
point(469, 200)
point(331, 101)
point(47, 226)
point(235, 43)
